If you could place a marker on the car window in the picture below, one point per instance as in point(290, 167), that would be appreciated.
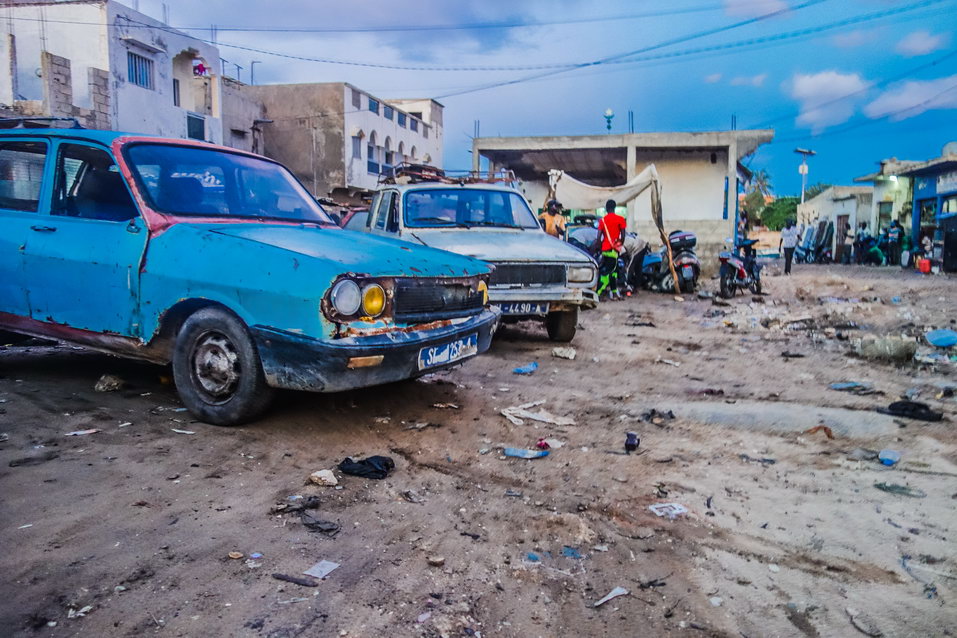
point(467, 207)
point(89, 184)
point(386, 203)
point(182, 180)
point(21, 175)
point(358, 221)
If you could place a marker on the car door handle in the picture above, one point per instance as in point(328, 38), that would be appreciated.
point(43, 229)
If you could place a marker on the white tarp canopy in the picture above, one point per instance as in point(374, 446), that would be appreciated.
point(579, 195)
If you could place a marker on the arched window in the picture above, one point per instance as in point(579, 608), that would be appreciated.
point(389, 155)
point(401, 151)
point(413, 154)
point(372, 155)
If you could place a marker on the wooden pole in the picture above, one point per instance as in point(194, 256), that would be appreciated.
point(656, 214)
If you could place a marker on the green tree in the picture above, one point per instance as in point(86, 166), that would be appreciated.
point(753, 204)
point(814, 190)
point(775, 214)
point(761, 182)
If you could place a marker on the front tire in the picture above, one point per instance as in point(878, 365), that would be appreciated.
point(561, 326)
point(727, 286)
point(217, 369)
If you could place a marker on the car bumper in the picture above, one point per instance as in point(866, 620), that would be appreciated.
point(558, 298)
point(296, 362)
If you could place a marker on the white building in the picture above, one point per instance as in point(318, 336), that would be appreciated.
point(844, 206)
point(110, 67)
point(892, 194)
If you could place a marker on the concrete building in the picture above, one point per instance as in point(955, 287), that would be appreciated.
point(934, 192)
point(110, 67)
point(892, 194)
point(844, 206)
point(700, 173)
point(338, 139)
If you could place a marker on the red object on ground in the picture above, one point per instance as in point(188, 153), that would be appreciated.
point(923, 265)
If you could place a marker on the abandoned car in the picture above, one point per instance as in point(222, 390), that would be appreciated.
point(220, 263)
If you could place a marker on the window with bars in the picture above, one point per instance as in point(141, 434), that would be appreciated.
point(387, 112)
point(373, 105)
point(401, 119)
point(413, 124)
point(356, 147)
point(139, 70)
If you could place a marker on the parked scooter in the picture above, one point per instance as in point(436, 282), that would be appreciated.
point(655, 273)
point(740, 271)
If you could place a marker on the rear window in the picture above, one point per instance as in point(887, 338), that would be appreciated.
point(21, 175)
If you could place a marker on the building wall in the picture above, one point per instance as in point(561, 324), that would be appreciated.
point(241, 110)
point(897, 193)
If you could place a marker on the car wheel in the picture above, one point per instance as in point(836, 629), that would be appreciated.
point(561, 325)
point(217, 370)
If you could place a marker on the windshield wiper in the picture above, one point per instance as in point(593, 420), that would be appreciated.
point(443, 220)
point(488, 223)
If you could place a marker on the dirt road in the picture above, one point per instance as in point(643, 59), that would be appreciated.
point(128, 530)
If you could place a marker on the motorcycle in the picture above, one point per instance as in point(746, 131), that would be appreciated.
point(655, 273)
point(740, 271)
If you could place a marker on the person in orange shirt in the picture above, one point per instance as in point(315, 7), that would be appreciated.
point(552, 219)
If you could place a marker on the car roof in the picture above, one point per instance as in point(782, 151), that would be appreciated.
point(445, 186)
point(92, 135)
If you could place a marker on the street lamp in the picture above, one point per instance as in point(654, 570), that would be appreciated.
point(609, 116)
point(252, 71)
point(802, 169)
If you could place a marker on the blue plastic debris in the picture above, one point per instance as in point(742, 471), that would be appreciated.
point(851, 386)
point(255, 555)
point(896, 300)
point(571, 552)
point(889, 457)
point(943, 338)
point(533, 557)
point(519, 453)
point(527, 369)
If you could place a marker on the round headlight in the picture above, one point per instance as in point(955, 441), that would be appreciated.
point(483, 290)
point(373, 300)
point(345, 297)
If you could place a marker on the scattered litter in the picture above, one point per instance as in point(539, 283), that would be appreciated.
point(527, 369)
point(614, 593)
point(81, 432)
point(862, 454)
point(182, 431)
point(600, 548)
point(896, 301)
point(423, 617)
point(550, 444)
point(445, 406)
point(774, 569)
point(312, 523)
point(322, 569)
point(436, 561)
point(324, 477)
point(125, 424)
point(668, 361)
point(889, 457)
point(855, 387)
point(524, 454)
point(296, 504)
point(704, 294)
point(863, 623)
point(256, 555)
point(532, 557)
point(900, 490)
point(28, 525)
point(571, 552)
point(109, 383)
point(517, 413)
point(716, 601)
point(79, 613)
point(4, 437)
point(821, 428)
point(423, 425)
point(27, 461)
point(762, 461)
point(894, 349)
point(514, 493)
point(631, 442)
point(657, 418)
point(912, 410)
point(564, 353)
point(374, 467)
point(296, 580)
point(235, 555)
point(930, 589)
point(412, 497)
point(943, 338)
point(792, 355)
point(671, 510)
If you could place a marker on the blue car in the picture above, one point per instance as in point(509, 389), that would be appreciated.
point(220, 263)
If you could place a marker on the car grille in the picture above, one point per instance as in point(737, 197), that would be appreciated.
point(428, 300)
point(527, 274)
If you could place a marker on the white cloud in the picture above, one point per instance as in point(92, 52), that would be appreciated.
point(749, 80)
point(913, 98)
point(921, 43)
point(853, 39)
point(753, 8)
point(713, 78)
point(814, 92)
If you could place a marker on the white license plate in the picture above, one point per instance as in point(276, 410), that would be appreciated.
point(432, 356)
point(687, 272)
point(524, 308)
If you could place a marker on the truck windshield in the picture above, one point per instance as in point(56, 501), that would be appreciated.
point(466, 208)
point(182, 180)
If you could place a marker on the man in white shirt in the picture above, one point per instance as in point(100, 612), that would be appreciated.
point(790, 237)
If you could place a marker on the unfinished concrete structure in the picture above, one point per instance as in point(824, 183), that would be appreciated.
point(338, 138)
point(700, 173)
point(110, 67)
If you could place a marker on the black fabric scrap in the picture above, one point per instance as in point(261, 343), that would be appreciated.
point(374, 467)
point(315, 525)
point(912, 410)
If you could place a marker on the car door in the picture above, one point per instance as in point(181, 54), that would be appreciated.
point(81, 262)
point(22, 181)
point(384, 217)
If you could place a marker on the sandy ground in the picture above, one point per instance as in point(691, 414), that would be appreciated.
point(130, 527)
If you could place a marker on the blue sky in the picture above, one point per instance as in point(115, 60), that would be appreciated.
point(867, 89)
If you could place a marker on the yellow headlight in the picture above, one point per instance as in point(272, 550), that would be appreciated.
point(483, 288)
point(373, 300)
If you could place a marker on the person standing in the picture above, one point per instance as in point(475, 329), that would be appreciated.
point(894, 244)
point(552, 219)
point(847, 255)
point(790, 237)
point(861, 247)
point(612, 228)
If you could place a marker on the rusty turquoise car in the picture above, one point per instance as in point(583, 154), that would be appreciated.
point(220, 263)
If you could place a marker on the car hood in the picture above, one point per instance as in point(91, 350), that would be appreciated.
point(354, 251)
point(501, 244)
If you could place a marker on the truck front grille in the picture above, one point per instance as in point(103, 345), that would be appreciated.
point(420, 300)
point(528, 275)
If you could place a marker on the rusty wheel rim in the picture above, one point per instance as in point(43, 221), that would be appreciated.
point(215, 367)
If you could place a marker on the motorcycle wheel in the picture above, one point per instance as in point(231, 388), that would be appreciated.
point(688, 286)
point(727, 286)
point(756, 287)
point(666, 284)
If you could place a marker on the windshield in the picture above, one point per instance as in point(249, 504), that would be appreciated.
point(181, 180)
point(465, 208)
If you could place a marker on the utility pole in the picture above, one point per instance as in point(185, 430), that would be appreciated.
point(252, 71)
point(802, 169)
